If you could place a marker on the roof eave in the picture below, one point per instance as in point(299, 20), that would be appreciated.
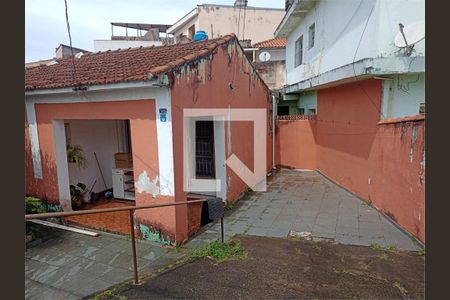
point(97, 87)
point(293, 16)
point(181, 22)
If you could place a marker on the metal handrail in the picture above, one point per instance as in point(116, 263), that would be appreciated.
point(105, 210)
point(131, 210)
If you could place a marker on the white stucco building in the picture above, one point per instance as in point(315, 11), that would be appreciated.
point(333, 42)
point(254, 23)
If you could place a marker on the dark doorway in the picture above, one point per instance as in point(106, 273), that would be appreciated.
point(283, 110)
point(204, 149)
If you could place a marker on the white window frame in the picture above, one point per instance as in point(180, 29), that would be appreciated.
point(298, 60)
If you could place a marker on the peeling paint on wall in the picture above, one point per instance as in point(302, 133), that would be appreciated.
point(422, 169)
point(154, 236)
point(414, 133)
point(144, 185)
point(404, 132)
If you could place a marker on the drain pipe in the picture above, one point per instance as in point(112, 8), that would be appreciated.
point(274, 106)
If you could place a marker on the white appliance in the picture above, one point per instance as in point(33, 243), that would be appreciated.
point(123, 183)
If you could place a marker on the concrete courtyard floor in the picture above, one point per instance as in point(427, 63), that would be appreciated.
point(306, 201)
point(69, 265)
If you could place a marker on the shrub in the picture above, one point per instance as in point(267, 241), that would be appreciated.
point(34, 205)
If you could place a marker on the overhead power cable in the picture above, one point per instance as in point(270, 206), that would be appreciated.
point(353, 63)
point(243, 29)
point(70, 44)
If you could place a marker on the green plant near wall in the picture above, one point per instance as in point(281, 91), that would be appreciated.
point(75, 154)
point(76, 193)
point(229, 205)
point(35, 205)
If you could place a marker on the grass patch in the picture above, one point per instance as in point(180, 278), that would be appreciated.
point(113, 293)
point(375, 246)
point(421, 252)
point(229, 206)
point(295, 238)
point(298, 251)
point(109, 294)
point(391, 248)
point(246, 230)
point(400, 287)
point(317, 247)
point(221, 251)
point(104, 295)
point(378, 247)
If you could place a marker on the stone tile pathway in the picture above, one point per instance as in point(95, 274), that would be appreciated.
point(72, 266)
point(307, 201)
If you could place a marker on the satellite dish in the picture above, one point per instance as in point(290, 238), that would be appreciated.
point(264, 56)
point(410, 34)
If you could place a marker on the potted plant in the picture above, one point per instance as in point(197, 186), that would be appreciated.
point(75, 155)
point(78, 193)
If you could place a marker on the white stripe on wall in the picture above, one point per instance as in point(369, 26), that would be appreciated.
point(165, 147)
point(34, 140)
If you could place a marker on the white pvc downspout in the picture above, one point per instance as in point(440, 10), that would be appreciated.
point(274, 114)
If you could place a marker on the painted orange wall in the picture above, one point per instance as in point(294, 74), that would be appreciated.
point(34, 187)
point(207, 86)
point(381, 163)
point(295, 144)
point(141, 114)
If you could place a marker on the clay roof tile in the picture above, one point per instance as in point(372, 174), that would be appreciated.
point(272, 43)
point(132, 64)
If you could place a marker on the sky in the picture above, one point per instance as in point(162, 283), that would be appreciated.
point(45, 24)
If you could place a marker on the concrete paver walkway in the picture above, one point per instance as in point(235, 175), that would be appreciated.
point(72, 265)
point(307, 201)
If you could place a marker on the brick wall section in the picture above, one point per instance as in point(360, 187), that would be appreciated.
point(383, 163)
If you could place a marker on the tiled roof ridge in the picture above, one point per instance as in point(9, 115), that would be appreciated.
point(193, 56)
point(149, 47)
point(116, 69)
point(272, 40)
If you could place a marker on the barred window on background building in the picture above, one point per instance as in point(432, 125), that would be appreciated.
point(311, 35)
point(299, 51)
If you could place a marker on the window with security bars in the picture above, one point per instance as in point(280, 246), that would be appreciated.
point(311, 35)
point(204, 149)
point(299, 51)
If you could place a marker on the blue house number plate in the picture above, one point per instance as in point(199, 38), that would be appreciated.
point(163, 114)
